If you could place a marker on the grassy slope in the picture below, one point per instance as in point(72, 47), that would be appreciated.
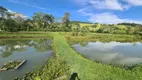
point(87, 69)
point(85, 24)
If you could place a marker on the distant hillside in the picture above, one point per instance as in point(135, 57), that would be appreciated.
point(81, 22)
point(130, 24)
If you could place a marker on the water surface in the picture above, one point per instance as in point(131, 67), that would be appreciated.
point(112, 52)
point(35, 52)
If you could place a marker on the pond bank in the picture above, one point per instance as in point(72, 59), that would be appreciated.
point(103, 38)
point(23, 35)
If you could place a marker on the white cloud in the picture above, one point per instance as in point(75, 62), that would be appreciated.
point(42, 8)
point(17, 2)
point(107, 4)
point(134, 2)
point(81, 2)
point(103, 4)
point(110, 18)
point(120, 5)
point(34, 5)
point(105, 16)
point(84, 13)
point(10, 11)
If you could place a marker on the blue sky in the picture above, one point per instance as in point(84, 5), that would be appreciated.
point(101, 11)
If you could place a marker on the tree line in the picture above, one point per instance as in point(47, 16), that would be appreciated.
point(47, 22)
point(39, 22)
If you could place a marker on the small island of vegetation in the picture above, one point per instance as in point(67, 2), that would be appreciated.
point(11, 65)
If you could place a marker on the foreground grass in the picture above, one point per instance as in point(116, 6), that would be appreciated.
point(89, 70)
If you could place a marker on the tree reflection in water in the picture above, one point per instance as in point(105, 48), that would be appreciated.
point(7, 47)
point(83, 44)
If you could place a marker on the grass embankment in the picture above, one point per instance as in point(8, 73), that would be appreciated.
point(18, 35)
point(89, 70)
point(93, 37)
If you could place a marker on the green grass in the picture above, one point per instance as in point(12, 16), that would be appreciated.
point(85, 25)
point(18, 35)
point(87, 69)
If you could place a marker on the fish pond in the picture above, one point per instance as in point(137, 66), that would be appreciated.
point(36, 52)
point(115, 53)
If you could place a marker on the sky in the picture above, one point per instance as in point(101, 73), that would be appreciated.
point(97, 11)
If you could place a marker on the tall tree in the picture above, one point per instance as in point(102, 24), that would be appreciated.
point(48, 18)
point(28, 24)
point(43, 20)
point(38, 19)
point(66, 21)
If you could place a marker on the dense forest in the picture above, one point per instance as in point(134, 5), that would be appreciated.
point(13, 22)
